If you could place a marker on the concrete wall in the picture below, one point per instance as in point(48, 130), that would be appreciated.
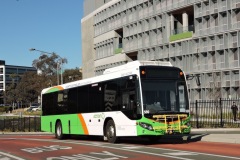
point(88, 52)
point(91, 5)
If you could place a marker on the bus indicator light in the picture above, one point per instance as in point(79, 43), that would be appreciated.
point(181, 73)
point(143, 72)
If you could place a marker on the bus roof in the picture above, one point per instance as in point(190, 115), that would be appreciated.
point(131, 65)
point(123, 70)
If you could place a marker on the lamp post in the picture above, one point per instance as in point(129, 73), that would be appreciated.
point(59, 63)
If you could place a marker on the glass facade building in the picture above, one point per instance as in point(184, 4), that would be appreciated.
point(6, 72)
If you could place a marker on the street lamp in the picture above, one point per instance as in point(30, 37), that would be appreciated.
point(59, 63)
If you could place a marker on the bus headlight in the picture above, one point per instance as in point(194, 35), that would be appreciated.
point(146, 126)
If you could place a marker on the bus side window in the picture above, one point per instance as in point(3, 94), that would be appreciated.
point(111, 96)
point(96, 98)
point(82, 93)
point(49, 103)
point(72, 100)
point(62, 106)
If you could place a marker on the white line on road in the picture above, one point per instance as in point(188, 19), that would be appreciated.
point(9, 155)
point(128, 148)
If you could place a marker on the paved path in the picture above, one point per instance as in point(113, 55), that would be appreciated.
point(225, 135)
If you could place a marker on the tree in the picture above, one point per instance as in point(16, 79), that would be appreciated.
point(70, 75)
point(48, 65)
point(28, 87)
point(31, 83)
point(10, 94)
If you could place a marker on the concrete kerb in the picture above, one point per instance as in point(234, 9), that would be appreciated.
point(25, 133)
point(223, 135)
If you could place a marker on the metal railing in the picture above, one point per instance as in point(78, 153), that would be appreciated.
point(204, 114)
point(214, 113)
point(24, 124)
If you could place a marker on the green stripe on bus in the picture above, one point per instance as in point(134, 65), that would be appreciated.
point(54, 89)
point(48, 124)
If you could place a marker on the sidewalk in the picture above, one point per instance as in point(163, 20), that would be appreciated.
point(224, 135)
point(215, 130)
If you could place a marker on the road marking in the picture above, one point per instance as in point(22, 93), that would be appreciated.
point(182, 154)
point(199, 153)
point(106, 145)
point(45, 149)
point(105, 155)
point(132, 147)
point(9, 155)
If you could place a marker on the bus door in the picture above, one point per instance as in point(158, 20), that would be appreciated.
point(131, 97)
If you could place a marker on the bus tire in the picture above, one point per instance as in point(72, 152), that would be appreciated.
point(111, 132)
point(58, 131)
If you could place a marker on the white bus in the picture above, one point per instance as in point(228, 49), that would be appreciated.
point(140, 98)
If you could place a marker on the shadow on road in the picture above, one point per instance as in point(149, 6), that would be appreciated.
point(166, 139)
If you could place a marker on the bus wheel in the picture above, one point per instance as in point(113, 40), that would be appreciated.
point(58, 131)
point(111, 132)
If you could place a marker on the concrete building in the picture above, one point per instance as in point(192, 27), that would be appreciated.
point(5, 76)
point(200, 36)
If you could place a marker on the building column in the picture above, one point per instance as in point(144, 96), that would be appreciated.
point(172, 25)
point(185, 21)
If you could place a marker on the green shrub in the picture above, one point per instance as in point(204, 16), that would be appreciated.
point(181, 36)
point(118, 50)
point(4, 109)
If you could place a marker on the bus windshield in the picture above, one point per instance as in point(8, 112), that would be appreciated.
point(163, 96)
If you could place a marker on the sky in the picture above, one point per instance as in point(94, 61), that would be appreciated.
point(46, 25)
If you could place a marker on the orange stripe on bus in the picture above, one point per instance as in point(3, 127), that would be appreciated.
point(82, 121)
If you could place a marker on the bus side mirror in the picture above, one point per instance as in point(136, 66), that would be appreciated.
point(197, 78)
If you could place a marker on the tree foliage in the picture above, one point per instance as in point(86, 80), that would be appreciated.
point(70, 75)
point(11, 92)
point(49, 64)
point(30, 84)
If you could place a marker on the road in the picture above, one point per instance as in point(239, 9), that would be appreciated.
point(39, 147)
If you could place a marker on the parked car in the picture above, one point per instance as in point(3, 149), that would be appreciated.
point(38, 108)
point(33, 107)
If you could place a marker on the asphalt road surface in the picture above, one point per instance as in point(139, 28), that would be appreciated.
point(46, 147)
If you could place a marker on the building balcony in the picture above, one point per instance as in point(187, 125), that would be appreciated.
point(182, 33)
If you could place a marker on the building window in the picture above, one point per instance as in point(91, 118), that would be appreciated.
point(215, 17)
point(235, 55)
point(238, 15)
point(11, 70)
point(213, 57)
